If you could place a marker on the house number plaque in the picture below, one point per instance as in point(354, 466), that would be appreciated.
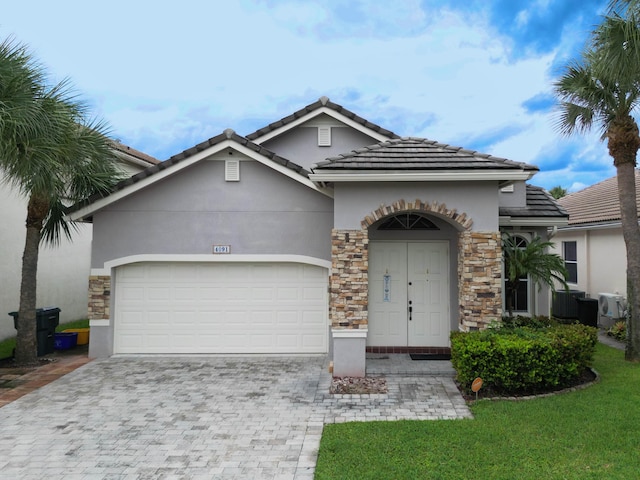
point(221, 249)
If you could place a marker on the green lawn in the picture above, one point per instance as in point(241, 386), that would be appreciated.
point(7, 345)
point(589, 434)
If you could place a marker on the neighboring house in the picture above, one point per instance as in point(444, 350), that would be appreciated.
point(321, 232)
point(63, 269)
point(592, 244)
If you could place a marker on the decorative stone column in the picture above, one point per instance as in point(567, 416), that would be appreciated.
point(479, 279)
point(101, 337)
point(349, 292)
point(99, 297)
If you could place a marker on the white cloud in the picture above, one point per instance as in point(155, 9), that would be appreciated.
point(172, 75)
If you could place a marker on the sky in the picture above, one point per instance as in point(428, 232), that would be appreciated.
point(479, 74)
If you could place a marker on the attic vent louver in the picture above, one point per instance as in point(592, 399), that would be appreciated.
point(324, 136)
point(232, 170)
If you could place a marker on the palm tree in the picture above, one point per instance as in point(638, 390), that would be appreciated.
point(558, 192)
point(54, 155)
point(602, 89)
point(533, 261)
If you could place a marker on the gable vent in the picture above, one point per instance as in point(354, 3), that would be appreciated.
point(232, 170)
point(324, 136)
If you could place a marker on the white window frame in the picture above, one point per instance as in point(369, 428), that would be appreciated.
point(571, 262)
point(530, 291)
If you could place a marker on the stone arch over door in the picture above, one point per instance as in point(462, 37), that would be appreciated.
point(460, 220)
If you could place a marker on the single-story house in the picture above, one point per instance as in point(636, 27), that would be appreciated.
point(63, 269)
point(593, 247)
point(319, 233)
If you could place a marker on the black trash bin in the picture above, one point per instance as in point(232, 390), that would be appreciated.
point(588, 311)
point(47, 319)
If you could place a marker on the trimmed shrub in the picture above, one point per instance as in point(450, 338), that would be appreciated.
point(517, 360)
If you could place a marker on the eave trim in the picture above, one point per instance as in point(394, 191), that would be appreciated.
point(421, 176)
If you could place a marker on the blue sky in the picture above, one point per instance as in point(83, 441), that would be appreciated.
point(477, 74)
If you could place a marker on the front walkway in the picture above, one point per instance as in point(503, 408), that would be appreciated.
point(204, 417)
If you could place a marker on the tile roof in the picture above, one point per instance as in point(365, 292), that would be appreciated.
point(598, 203)
point(409, 153)
point(322, 102)
point(539, 204)
point(121, 147)
point(230, 134)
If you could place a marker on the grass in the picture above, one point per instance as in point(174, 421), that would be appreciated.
point(7, 345)
point(587, 434)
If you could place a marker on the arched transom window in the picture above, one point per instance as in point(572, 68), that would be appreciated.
point(407, 221)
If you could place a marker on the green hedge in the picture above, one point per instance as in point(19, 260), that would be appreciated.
point(523, 359)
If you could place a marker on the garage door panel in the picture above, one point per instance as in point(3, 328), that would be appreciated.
point(158, 293)
point(288, 294)
point(132, 272)
point(221, 308)
point(185, 319)
point(263, 294)
point(312, 341)
point(189, 293)
point(316, 294)
point(265, 318)
point(287, 319)
point(157, 272)
point(236, 294)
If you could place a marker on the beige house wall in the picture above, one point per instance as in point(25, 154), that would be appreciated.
point(601, 257)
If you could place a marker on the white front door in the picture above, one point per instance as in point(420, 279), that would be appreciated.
point(409, 294)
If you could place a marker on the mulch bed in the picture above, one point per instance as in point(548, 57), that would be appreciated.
point(586, 378)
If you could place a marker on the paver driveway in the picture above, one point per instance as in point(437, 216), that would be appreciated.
point(196, 417)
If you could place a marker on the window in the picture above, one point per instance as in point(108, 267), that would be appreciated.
point(570, 255)
point(408, 221)
point(517, 293)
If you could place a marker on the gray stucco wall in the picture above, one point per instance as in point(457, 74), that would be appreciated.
point(190, 211)
point(479, 200)
point(301, 145)
point(517, 198)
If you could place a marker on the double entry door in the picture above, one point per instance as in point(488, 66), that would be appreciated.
point(409, 294)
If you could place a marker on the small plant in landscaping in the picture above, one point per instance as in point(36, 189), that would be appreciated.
point(618, 331)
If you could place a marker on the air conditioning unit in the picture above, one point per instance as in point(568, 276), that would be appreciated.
point(564, 304)
point(611, 305)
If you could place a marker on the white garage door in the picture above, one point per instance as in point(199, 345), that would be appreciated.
point(221, 308)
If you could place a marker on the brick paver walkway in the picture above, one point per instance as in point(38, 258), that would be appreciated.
point(197, 417)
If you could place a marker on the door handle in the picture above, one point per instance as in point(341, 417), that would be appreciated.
point(410, 310)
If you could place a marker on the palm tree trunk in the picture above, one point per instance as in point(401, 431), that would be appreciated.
point(631, 233)
point(26, 344)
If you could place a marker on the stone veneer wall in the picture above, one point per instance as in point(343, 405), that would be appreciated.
point(479, 279)
point(99, 297)
point(349, 287)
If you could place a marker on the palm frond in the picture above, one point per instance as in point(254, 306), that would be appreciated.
point(533, 260)
point(49, 146)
